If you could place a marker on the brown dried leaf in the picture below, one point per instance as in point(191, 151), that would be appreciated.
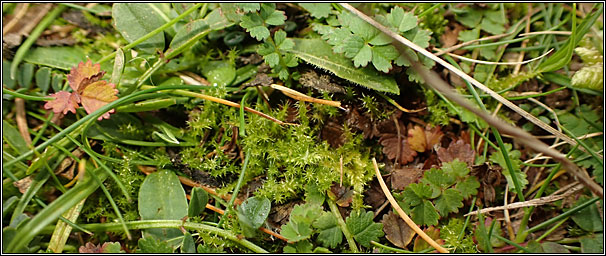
point(451, 35)
point(416, 139)
point(374, 196)
point(97, 95)
point(63, 102)
point(396, 230)
point(92, 248)
point(391, 142)
point(23, 184)
point(359, 121)
point(432, 136)
point(342, 195)
point(432, 232)
point(332, 133)
point(85, 73)
point(489, 177)
point(402, 177)
point(457, 150)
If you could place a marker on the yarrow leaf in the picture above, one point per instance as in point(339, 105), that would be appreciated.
point(87, 90)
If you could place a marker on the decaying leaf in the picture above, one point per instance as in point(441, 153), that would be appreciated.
point(374, 196)
point(457, 150)
point(342, 195)
point(391, 142)
point(23, 184)
point(402, 177)
point(416, 139)
point(87, 90)
point(396, 230)
point(107, 247)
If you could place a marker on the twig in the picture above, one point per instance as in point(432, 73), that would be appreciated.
point(302, 97)
point(402, 214)
point(433, 79)
point(499, 63)
point(22, 121)
point(455, 47)
point(533, 202)
point(524, 43)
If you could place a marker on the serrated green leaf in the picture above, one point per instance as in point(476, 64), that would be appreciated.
point(271, 16)
point(282, 42)
point(296, 230)
point(492, 27)
point(382, 57)
point(299, 247)
point(419, 37)
point(450, 201)
point(253, 24)
point(401, 20)
point(363, 56)
point(317, 10)
point(468, 187)
point(514, 156)
point(112, 247)
point(352, 46)
point(330, 234)
point(362, 227)
point(319, 53)
point(421, 190)
point(456, 168)
point(272, 59)
point(468, 35)
point(425, 214)
point(249, 7)
point(438, 178)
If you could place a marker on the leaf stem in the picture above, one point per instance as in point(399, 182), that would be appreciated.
point(25, 96)
point(335, 211)
point(230, 204)
point(389, 247)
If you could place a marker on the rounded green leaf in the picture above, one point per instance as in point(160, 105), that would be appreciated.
point(254, 211)
point(135, 20)
point(43, 78)
point(221, 73)
point(198, 201)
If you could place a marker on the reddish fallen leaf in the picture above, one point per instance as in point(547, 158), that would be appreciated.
point(391, 142)
point(92, 248)
point(342, 195)
point(421, 244)
point(87, 90)
point(416, 139)
point(457, 150)
point(402, 177)
point(489, 176)
point(374, 196)
point(97, 95)
point(433, 136)
point(63, 102)
point(396, 230)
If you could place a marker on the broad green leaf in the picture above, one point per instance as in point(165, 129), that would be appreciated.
point(188, 245)
point(317, 10)
point(62, 230)
point(180, 8)
point(219, 72)
point(170, 204)
point(363, 228)
point(193, 31)
point(593, 244)
point(588, 218)
point(151, 244)
point(330, 234)
point(25, 75)
point(450, 201)
point(252, 213)
point(198, 201)
point(13, 137)
point(135, 20)
point(319, 53)
point(8, 204)
point(56, 57)
point(119, 63)
point(425, 214)
point(6, 76)
point(43, 79)
point(551, 247)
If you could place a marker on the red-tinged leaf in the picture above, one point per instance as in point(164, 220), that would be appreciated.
point(63, 102)
point(416, 139)
point(457, 150)
point(83, 74)
point(432, 136)
point(97, 95)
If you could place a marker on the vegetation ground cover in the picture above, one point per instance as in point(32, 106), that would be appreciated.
point(302, 128)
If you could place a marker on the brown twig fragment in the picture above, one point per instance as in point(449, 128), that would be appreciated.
point(21, 121)
point(402, 214)
point(302, 97)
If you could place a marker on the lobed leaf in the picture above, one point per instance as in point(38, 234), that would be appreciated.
point(363, 228)
point(97, 95)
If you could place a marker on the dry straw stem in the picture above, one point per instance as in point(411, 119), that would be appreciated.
point(499, 63)
point(534, 202)
point(433, 79)
point(462, 74)
point(402, 214)
point(302, 97)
